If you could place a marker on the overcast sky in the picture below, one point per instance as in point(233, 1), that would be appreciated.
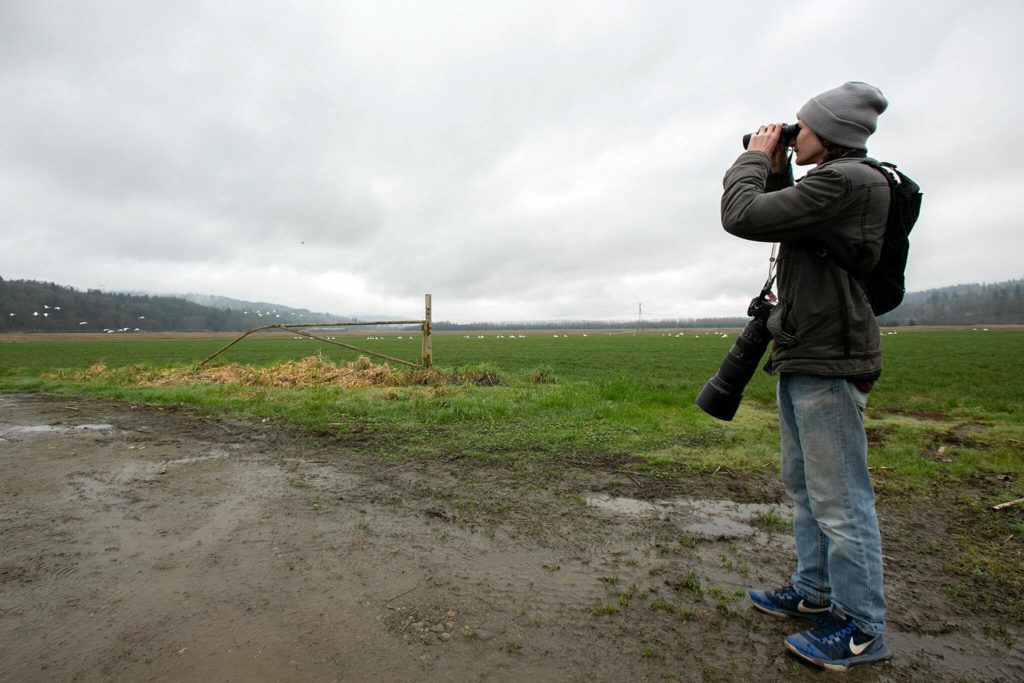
point(518, 160)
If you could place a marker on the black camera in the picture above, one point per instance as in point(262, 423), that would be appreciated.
point(722, 394)
point(789, 131)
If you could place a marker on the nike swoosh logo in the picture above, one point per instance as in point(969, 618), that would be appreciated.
point(857, 649)
point(808, 610)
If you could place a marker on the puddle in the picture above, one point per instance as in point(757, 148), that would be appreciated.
point(147, 470)
point(636, 507)
point(54, 429)
point(710, 519)
point(213, 454)
point(117, 485)
point(622, 506)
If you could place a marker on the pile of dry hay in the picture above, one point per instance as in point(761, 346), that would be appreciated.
point(308, 372)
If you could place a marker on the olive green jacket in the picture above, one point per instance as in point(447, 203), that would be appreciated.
point(836, 214)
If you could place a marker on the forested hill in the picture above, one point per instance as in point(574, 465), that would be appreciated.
point(1001, 303)
point(30, 306)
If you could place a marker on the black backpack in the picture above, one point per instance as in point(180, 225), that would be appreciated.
point(885, 284)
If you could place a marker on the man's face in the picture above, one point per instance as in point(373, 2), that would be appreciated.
point(808, 147)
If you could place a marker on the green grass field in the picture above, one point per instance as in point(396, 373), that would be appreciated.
point(604, 395)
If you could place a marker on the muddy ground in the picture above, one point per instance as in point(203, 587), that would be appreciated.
point(150, 544)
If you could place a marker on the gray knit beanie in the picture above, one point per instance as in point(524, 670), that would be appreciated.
point(846, 115)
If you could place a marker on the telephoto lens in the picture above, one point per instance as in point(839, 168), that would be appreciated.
point(722, 394)
point(788, 134)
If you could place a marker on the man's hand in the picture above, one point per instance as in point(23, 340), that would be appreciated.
point(766, 140)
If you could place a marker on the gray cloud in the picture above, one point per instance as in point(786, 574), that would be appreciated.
point(526, 160)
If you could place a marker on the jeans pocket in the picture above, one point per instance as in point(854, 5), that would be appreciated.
point(859, 397)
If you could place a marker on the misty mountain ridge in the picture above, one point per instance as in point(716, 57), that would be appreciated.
point(227, 303)
point(32, 306)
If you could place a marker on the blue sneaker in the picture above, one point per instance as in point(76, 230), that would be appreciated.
point(838, 645)
point(786, 602)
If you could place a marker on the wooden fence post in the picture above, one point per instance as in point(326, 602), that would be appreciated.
point(428, 356)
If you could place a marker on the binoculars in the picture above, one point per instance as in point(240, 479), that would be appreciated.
point(789, 131)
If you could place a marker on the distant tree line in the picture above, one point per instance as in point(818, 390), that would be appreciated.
point(31, 306)
point(1001, 303)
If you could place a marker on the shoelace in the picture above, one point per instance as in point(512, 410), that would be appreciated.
point(837, 636)
point(789, 592)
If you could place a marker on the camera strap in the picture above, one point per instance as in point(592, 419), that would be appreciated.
point(766, 291)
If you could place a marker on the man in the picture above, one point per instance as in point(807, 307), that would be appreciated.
point(827, 354)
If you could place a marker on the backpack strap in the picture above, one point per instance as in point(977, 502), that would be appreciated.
point(822, 251)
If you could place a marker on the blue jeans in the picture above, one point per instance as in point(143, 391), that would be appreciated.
point(825, 472)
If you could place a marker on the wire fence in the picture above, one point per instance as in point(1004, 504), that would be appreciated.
point(426, 356)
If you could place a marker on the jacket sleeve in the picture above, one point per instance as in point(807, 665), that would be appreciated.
point(790, 214)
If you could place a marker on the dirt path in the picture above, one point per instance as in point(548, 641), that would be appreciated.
point(145, 544)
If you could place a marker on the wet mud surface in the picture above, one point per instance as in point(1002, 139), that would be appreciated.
point(148, 544)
